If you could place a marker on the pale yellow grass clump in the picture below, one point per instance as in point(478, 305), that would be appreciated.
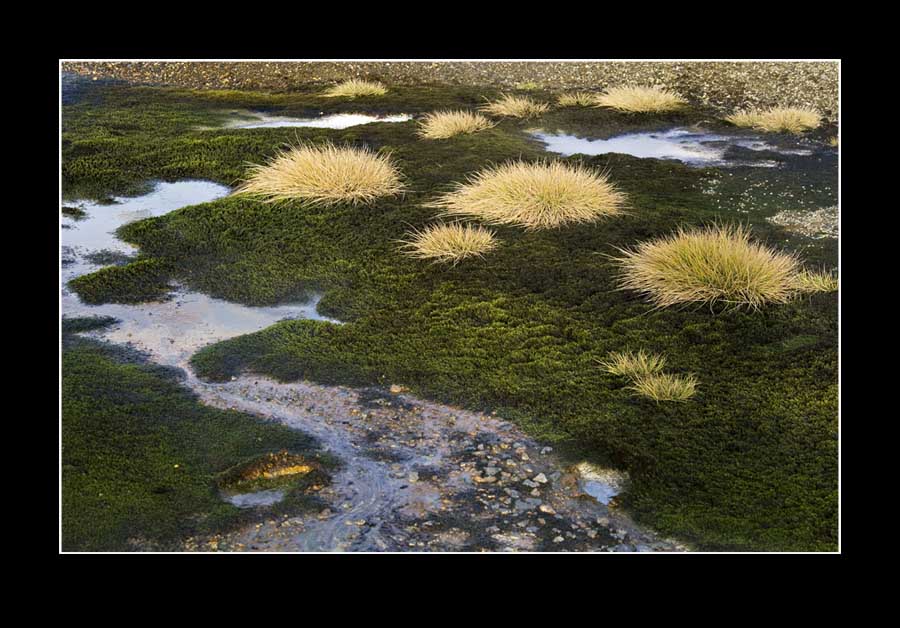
point(778, 119)
point(633, 365)
point(710, 265)
point(324, 175)
point(354, 88)
point(443, 124)
point(815, 281)
point(833, 141)
point(666, 387)
point(647, 379)
point(534, 195)
point(577, 99)
point(515, 107)
point(641, 100)
point(450, 243)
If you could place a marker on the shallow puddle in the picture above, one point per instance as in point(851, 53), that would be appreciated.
point(601, 483)
point(253, 120)
point(254, 500)
point(695, 148)
point(170, 330)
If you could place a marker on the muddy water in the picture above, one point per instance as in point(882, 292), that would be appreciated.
point(416, 476)
point(693, 147)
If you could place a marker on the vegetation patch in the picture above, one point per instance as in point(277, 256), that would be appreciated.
point(140, 455)
point(86, 323)
point(645, 372)
point(137, 282)
point(450, 243)
point(74, 212)
point(515, 107)
point(716, 264)
point(641, 100)
point(577, 99)
point(443, 124)
point(324, 175)
point(354, 88)
point(282, 469)
point(778, 119)
point(542, 195)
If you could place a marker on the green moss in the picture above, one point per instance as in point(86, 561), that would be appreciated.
point(73, 212)
point(142, 280)
point(140, 455)
point(86, 323)
point(749, 463)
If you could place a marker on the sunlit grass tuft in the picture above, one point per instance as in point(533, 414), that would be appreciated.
point(641, 100)
point(534, 195)
point(450, 243)
point(354, 88)
point(717, 264)
point(577, 99)
point(444, 124)
point(633, 365)
point(666, 387)
point(816, 281)
point(778, 119)
point(515, 107)
point(324, 175)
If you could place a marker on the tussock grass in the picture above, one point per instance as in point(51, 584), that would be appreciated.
point(710, 265)
point(577, 99)
point(666, 387)
point(324, 175)
point(354, 88)
point(647, 379)
point(515, 107)
point(443, 124)
point(816, 281)
point(450, 243)
point(633, 365)
point(778, 119)
point(833, 141)
point(541, 195)
point(641, 100)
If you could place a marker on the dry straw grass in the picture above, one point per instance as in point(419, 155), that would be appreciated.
point(647, 379)
point(515, 107)
point(324, 175)
point(641, 100)
point(666, 387)
point(778, 119)
point(816, 281)
point(443, 124)
point(577, 99)
point(534, 195)
point(710, 265)
point(354, 88)
point(633, 365)
point(450, 243)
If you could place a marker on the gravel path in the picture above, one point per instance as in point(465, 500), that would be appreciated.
point(721, 85)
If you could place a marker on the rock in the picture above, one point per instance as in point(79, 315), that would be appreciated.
point(491, 470)
point(395, 389)
point(546, 450)
point(547, 509)
point(558, 539)
point(541, 478)
point(413, 477)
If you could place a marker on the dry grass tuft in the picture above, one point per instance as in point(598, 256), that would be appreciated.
point(515, 107)
point(710, 265)
point(354, 88)
point(812, 281)
point(324, 175)
point(443, 124)
point(833, 141)
point(577, 99)
point(534, 195)
point(778, 119)
point(451, 243)
point(641, 100)
point(633, 365)
point(666, 387)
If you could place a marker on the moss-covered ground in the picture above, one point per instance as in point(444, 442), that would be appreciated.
point(750, 463)
point(141, 455)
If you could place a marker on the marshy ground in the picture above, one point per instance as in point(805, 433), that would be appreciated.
point(497, 356)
